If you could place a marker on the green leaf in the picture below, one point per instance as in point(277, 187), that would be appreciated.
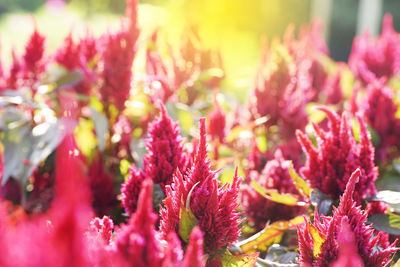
point(186, 223)
point(271, 234)
point(388, 223)
point(69, 79)
point(100, 126)
point(300, 184)
point(274, 195)
point(229, 260)
point(187, 219)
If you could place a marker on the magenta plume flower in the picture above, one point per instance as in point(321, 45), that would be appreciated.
point(104, 227)
point(372, 59)
point(194, 254)
point(165, 149)
point(348, 251)
point(33, 57)
point(282, 89)
point(320, 243)
point(137, 241)
point(216, 123)
point(118, 55)
point(165, 155)
point(380, 110)
point(130, 189)
point(329, 165)
point(213, 206)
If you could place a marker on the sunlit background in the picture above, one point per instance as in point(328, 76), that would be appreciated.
point(234, 27)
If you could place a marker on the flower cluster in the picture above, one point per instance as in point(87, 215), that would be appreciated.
point(165, 155)
point(372, 59)
point(330, 164)
point(213, 207)
point(322, 243)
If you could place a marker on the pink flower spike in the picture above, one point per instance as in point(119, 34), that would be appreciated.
point(137, 241)
point(194, 254)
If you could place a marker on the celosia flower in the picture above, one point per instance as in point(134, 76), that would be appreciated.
point(164, 156)
point(348, 251)
point(257, 208)
point(70, 211)
point(102, 187)
point(194, 254)
point(319, 244)
point(104, 227)
point(380, 110)
point(165, 149)
point(216, 123)
point(130, 189)
point(68, 55)
point(214, 207)
point(173, 254)
point(371, 59)
point(137, 241)
point(13, 78)
point(282, 89)
point(329, 165)
point(118, 55)
point(33, 57)
point(332, 88)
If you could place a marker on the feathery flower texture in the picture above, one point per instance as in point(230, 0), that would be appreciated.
point(213, 206)
point(348, 219)
point(164, 156)
point(329, 165)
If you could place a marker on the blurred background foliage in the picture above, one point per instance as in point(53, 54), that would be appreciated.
point(233, 26)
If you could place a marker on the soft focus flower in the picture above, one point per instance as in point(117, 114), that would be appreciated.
point(33, 57)
point(13, 77)
point(257, 208)
point(282, 89)
point(104, 227)
point(348, 251)
point(118, 54)
point(194, 254)
point(372, 59)
point(68, 55)
point(319, 242)
point(329, 165)
point(102, 187)
point(216, 123)
point(379, 109)
point(137, 241)
point(213, 207)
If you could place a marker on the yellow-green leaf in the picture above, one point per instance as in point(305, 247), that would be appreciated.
point(274, 195)
point(270, 235)
point(247, 260)
point(187, 222)
point(301, 185)
point(318, 239)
